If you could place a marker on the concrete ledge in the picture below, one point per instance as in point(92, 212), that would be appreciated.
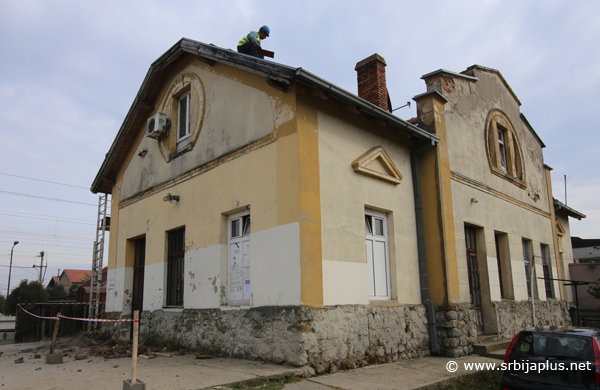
point(138, 386)
point(54, 358)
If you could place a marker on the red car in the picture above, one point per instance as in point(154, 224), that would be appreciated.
point(553, 358)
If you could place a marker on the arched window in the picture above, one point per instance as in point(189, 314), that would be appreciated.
point(503, 149)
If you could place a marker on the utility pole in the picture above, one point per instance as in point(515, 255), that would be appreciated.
point(565, 190)
point(41, 265)
point(9, 272)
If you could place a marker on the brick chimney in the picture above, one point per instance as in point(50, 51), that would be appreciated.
point(371, 81)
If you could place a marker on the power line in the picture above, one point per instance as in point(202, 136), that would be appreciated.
point(54, 254)
point(48, 216)
point(45, 198)
point(45, 181)
point(69, 238)
point(47, 219)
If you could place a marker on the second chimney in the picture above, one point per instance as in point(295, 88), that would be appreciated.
point(371, 81)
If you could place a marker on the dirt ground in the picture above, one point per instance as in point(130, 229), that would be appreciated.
point(105, 364)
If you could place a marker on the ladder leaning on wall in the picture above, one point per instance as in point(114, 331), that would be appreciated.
point(102, 225)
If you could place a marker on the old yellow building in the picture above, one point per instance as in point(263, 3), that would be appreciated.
point(260, 211)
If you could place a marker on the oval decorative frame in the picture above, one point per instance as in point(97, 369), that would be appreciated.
point(516, 169)
point(179, 86)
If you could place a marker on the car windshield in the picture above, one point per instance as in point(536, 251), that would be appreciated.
point(558, 345)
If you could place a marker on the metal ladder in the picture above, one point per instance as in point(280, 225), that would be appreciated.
point(102, 225)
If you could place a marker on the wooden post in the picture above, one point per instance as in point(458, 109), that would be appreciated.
point(134, 352)
point(55, 335)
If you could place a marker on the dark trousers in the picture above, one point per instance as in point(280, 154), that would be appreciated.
point(250, 49)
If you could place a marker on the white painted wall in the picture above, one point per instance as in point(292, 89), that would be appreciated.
point(492, 263)
point(275, 266)
point(519, 280)
point(118, 289)
point(154, 286)
point(202, 278)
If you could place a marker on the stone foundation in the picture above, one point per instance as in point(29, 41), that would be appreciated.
point(514, 316)
point(456, 329)
point(326, 338)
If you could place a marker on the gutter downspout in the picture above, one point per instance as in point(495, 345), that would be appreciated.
point(432, 324)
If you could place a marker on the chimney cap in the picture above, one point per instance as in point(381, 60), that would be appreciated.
point(368, 60)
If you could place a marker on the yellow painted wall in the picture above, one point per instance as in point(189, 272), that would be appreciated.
point(262, 172)
point(344, 196)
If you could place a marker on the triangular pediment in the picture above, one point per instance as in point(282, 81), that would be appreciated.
point(559, 228)
point(376, 163)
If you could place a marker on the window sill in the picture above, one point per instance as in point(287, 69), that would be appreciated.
point(181, 151)
point(499, 172)
point(232, 307)
point(172, 308)
point(384, 302)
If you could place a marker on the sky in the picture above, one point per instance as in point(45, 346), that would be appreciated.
point(70, 70)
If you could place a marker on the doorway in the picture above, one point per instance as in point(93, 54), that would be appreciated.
point(474, 280)
point(139, 264)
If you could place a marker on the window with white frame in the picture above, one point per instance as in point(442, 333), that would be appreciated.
point(378, 263)
point(238, 271)
point(183, 120)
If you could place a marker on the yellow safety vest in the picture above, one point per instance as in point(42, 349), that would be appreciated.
point(245, 39)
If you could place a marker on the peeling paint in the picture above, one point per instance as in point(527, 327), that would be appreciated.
point(214, 283)
point(283, 112)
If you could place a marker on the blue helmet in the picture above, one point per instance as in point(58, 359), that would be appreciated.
point(266, 29)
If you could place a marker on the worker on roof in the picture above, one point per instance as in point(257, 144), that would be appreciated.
point(250, 44)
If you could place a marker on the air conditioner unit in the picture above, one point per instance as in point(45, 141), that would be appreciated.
point(158, 124)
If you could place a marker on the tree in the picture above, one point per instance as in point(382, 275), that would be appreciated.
point(56, 291)
point(75, 286)
point(27, 292)
point(594, 290)
point(2, 303)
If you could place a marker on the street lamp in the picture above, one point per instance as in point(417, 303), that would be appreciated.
point(9, 272)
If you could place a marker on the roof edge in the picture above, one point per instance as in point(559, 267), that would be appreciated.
point(537, 137)
point(471, 68)
point(442, 72)
point(571, 212)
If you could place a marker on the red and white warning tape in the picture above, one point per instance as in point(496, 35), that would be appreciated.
point(62, 303)
point(95, 320)
point(78, 319)
point(36, 316)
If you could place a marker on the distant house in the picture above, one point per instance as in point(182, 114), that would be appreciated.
point(53, 282)
point(73, 276)
point(83, 293)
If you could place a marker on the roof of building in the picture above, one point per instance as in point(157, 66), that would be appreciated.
point(561, 207)
point(578, 242)
point(277, 75)
point(77, 275)
point(53, 281)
